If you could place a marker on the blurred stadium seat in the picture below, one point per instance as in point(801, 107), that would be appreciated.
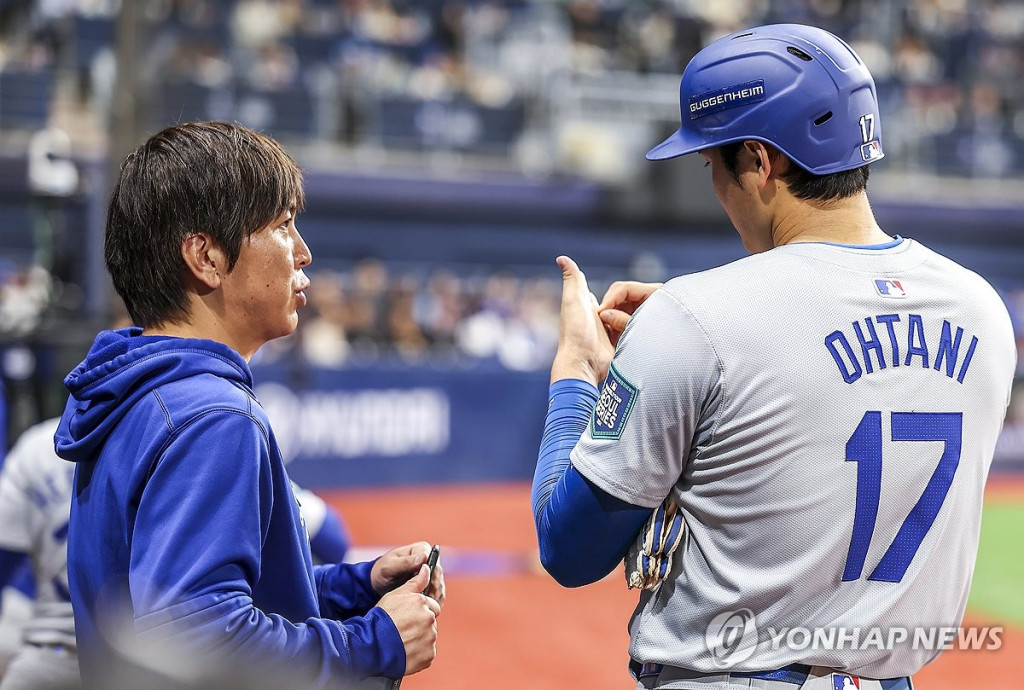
point(436, 125)
point(25, 97)
point(288, 112)
point(91, 35)
point(186, 101)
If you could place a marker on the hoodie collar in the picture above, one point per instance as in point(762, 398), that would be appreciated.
point(124, 366)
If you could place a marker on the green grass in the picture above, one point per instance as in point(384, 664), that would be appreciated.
point(998, 586)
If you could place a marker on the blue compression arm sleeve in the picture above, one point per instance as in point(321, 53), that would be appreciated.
point(583, 531)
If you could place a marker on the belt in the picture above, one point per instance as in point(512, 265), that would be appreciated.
point(54, 646)
point(795, 674)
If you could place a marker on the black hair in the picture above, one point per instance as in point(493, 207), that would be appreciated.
point(804, 184)
point(222, 179)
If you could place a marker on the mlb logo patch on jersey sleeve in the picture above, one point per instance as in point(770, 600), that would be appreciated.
point(613, 407)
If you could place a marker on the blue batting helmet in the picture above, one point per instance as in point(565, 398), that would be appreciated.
point(798, 88)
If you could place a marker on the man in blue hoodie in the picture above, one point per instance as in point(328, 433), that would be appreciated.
point(186, 553)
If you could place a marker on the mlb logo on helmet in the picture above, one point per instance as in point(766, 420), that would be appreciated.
point(871, 151)
point(889, 287)
point(841, 681)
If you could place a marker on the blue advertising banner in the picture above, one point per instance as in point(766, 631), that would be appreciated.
point(386, 426)
point(1009, 453)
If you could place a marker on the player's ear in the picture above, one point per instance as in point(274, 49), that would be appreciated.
point(764, 158)
point(205, 260)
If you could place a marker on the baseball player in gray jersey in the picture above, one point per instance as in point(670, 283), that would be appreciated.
point(35, 503)
point(789, 451)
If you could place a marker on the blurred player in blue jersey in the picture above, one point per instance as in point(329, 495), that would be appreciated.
point(798, 440)
point(186, 552)
point(16, 590)
point(3, 422)
point(35, 501)
point(329, 539)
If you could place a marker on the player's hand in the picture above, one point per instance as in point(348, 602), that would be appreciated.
point(619, 303)
point(415, 616)
point(584, 350)
point(395, 568)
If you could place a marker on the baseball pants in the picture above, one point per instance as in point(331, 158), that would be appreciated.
point(42, 668)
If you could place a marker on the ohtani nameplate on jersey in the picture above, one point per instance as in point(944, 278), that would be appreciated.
point(613, 407)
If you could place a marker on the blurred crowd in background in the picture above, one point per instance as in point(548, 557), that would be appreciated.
point(371, 313)
point(514, 77)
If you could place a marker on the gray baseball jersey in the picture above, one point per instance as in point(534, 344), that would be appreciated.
point(35, 503)
point(825, 417)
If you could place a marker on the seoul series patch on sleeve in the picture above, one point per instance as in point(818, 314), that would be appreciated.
point(613, 407)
